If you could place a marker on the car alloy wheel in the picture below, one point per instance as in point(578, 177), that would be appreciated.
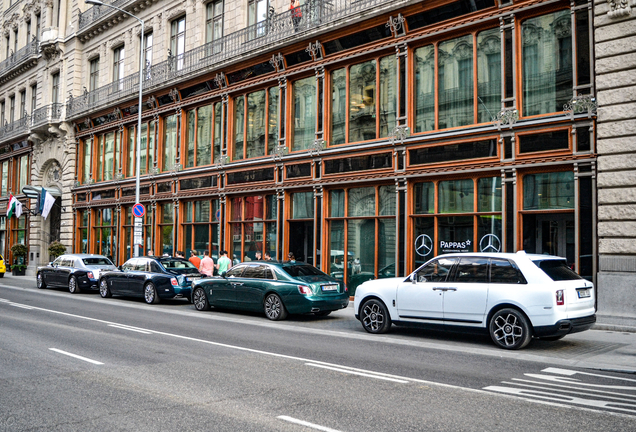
point(72, 285)
point(274, 308)
point(150, 293)
point(509, 329)
point(103, 289)
point(200, 300)
point(375, 317)
point(40, 281)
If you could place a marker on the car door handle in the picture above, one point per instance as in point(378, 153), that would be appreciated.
point(237, 283)
point(444, 289)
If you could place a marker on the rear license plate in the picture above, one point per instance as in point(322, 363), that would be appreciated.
point(330, 287)
point(583, 293)
point(193, 278)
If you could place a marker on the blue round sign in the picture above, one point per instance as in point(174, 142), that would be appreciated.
point(139, 210)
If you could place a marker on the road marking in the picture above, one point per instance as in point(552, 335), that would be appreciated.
point(304, 423)
point(368, 375)
point(76, 356)
point(571, 373)
point(21, 306)
point(135, 329)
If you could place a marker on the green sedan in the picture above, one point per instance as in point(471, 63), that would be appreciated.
point(277, 288)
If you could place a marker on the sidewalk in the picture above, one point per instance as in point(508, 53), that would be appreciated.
point(605, 347)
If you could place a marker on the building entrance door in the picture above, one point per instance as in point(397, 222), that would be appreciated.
point(555, 235)
point(301, 240)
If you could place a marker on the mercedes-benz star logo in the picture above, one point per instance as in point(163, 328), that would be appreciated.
point(423, 245)
point(490, 243)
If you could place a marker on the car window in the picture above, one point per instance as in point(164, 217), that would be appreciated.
point(436, 271)
point(472, 270)
point(97, 261)
point(154, 267)
point(302, 270)
point(503, 271)
point(141, 265)
point(269, 274)
point(177, 264)
point(58, 262)
point(558, 270)
point(235, 271)
point(254, 272)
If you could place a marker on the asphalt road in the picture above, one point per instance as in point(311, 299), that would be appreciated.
point(83, 363)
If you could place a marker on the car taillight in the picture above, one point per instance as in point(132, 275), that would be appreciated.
point(559, 298)
point(304, 289)
point(90, 275)
point(346, 289)
point(174, 281)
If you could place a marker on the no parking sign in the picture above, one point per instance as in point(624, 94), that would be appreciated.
point(139, 210)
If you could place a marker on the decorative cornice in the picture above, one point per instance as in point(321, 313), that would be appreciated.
point(619, 8)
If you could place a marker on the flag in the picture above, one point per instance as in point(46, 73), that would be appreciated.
point(46, 202)
point(11, 206)
point(18, 208)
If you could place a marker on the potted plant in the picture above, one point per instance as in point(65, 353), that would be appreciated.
point(56, 249)
point(19, 252)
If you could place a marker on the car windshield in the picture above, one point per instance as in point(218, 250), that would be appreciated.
point(558, 270)
point(97, 261)
point(179, 266)
point(302, 270)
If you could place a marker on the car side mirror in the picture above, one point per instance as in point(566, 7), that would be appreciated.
point(119, 268)
point(223, 275)
point(413, 278)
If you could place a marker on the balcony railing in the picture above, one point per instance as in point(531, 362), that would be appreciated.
point(43, 116)
point(25, 53)
point(95, 13)
point(276, 28)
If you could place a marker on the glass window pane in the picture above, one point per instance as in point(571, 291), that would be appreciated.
point(386, 248)
point(217, 132)
point(362, 110)
point(109, 156)
point(236, 209)
point(337, 203)
point(489, 233)
point(271, 207)
point(489, 192)
point(170, 143)
point(132, 152)
point(303, 205)
point(472, 270)
point(254, 208)
point(166, 239)
point(190, 138)
point(424, 198)
point(255, 139)
point(336, 254)
point(272, 128)
point(338, 106)
point(304, 113)
point(204, 135)
point(202, 211)
point(425, 89)
point(455, 234)
point(455, 82)
point(360, 247)
point(167, 213)
point(424, 235)
point(547, 62)
point(548, 191)
point(361, 202)
point(488, 74)
point(387, 200)
point(388, 95)
point(456, 196)
point(239, 125)
point(187, 211)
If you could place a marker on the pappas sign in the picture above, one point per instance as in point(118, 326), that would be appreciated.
point(455, 246)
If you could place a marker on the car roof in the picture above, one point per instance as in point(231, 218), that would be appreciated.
point(83, 255)
point(509, 255)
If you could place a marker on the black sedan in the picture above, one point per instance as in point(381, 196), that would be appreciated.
point(276, 288)
point(151, 278)
point(74, 271)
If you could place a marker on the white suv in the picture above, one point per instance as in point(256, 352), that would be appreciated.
point(513, 296)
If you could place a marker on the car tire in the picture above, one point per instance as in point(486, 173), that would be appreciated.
point(150, 293)
point(322, 313)
point(375, 317)
point(104, 291)
point(200, 300)
point(72, 285)
point(1, 275)
point(509, 329)
point(39, 280)
point(274, 308)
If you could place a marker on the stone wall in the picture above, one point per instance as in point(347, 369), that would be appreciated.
point(615, 54)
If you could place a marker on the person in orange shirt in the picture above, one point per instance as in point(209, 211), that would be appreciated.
point(194, 259)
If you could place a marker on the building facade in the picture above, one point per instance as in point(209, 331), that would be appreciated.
point(363, 136)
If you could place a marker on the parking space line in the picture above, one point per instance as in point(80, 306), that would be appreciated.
point(129, 328)
point(368, 375)
point(76, 356)
point(307, 424)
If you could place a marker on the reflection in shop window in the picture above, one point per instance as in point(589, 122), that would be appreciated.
point(488, 74)
point(425, 89)
point(304, 113)
point(455, 82)
point(456, 196)
point(548, 191)
point(170, 142)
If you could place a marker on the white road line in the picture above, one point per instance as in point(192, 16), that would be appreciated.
point(571, 372)
point(135, 329)
point(304, 423)
point(368, 375)
point(76, 356)
point(21, 306)
point(573, 381)
point(560, 387)
point(577, 391)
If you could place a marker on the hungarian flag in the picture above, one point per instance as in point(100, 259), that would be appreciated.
point(14, 207)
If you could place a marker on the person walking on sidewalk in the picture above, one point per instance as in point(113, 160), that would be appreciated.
point(224, 263)
point(207, 265)
point(194, 259)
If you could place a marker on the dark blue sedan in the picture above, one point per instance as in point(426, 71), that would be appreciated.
point(151, 278)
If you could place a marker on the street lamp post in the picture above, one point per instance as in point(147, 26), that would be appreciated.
point(141, 83)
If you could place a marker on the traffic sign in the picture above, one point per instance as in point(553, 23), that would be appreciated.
point(138, 231)
point(139, 210)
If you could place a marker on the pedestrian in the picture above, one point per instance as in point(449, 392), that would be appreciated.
point(296, 13)
point(179, 254)
point(206, 268)
point(150, 253)
point(224, 263)
point(291, 257)
point(258, 256)
point(194, 259)
point(267, 256)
